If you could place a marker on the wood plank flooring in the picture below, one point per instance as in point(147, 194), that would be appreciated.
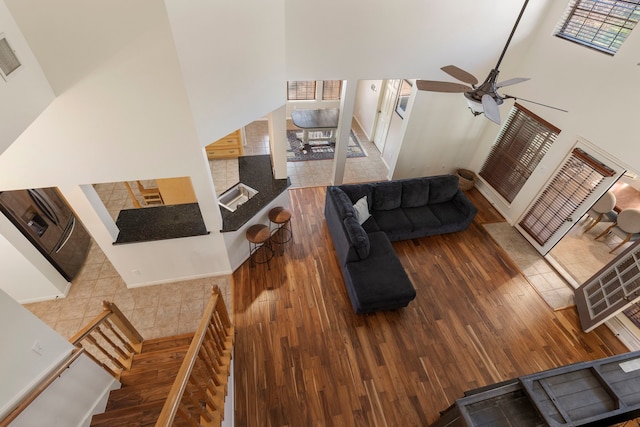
point(303, 358)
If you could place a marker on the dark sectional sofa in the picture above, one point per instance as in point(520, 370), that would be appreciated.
point(397, 210)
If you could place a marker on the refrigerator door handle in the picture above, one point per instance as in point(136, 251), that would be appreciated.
point(71, 227)
point(44, 205)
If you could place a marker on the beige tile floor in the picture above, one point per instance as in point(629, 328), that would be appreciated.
point(551, 285)
point(156, 311)
point(580, 255)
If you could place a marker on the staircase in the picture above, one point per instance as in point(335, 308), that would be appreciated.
point(173, 381)
point(146, 385)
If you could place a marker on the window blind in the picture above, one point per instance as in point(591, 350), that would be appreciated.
point(301, 90)
point(331, 89)
point(576, 180)
point(521, 144)
point(8, 60)
point(599, 24)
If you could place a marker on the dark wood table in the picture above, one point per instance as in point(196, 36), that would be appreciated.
point(626, 196)
point(325, 119)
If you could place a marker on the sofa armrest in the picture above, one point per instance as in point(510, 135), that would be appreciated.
point(463, 203)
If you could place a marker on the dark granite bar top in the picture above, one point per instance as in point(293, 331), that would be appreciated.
point(159, 223)
point(254, 171)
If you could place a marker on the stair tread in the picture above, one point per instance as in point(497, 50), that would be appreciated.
point(162, 353)
point(150, 374)
point(140, 415)
point(138, 394)
point(166, 342)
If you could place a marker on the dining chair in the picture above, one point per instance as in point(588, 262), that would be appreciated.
point(602, 210)
point(627, 227)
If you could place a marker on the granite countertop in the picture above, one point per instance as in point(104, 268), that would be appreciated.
point(256, 172)
point(159, 223)
point(185, 220)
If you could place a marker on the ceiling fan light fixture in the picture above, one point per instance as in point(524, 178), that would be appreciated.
point(475, 106)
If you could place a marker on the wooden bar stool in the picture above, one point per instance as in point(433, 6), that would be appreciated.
point(259, 236)
point(280, 226)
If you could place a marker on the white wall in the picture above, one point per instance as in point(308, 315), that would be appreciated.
point(232, 59)
point(72, 399)
point(125, 115)
point(25, 272)
point(27, 92)
point(596, 88)
point(366, 108)
point(131, 107)
point(21, 367)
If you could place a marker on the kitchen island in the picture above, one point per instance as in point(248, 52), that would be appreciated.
point(256, 172)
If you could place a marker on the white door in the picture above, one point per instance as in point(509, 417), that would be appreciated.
point(385, 110)
point(580, 181)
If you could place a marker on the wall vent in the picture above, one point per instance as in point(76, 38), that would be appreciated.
point(9, 62)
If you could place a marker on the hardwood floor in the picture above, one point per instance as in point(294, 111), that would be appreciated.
point(303, 358)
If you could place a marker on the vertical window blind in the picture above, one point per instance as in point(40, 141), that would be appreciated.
point(521, 144)
point(8, 60)
point(576, 180)
point(301, 90)
point(599, 24)
point(331, 89)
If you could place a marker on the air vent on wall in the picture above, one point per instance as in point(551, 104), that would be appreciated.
point(9, 62)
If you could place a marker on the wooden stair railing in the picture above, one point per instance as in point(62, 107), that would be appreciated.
point(110, 340)
point(198, 393)
point(75, 353)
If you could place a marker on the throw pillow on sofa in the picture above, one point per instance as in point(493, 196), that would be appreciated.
point(357, 236)
point(362, 210)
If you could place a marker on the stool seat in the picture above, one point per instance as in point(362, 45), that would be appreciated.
point(258, 233)
point(279, 215)
point(259, 236)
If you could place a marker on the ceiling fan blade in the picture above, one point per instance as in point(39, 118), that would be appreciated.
point(534, 102)
point(460, 74)
point(490, 108)
point(512, 81)
point(433, 86)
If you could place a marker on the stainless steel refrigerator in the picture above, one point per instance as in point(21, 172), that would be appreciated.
point(46, 220)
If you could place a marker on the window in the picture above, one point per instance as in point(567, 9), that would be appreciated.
point(521, 144)
point(8, 60)
point(576, 180)
point(331, 89)
point(599, 24)
point(301, 90)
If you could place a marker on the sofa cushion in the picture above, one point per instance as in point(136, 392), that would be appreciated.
point(357, 191)
point(442, 188)
point(362, 210)
point(387, 195)
point(415, 192)
point(344, 205)
point(370, 225)
point(357, 236)
point(379, 282)
point(448, 213)
point(392, 222)
point(422, 218)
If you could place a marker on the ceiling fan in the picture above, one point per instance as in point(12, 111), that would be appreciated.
point(485, 97)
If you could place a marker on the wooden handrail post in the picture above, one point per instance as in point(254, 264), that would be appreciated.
point(210, 347)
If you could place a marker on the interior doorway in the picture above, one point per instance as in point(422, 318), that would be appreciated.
point(385, 111)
